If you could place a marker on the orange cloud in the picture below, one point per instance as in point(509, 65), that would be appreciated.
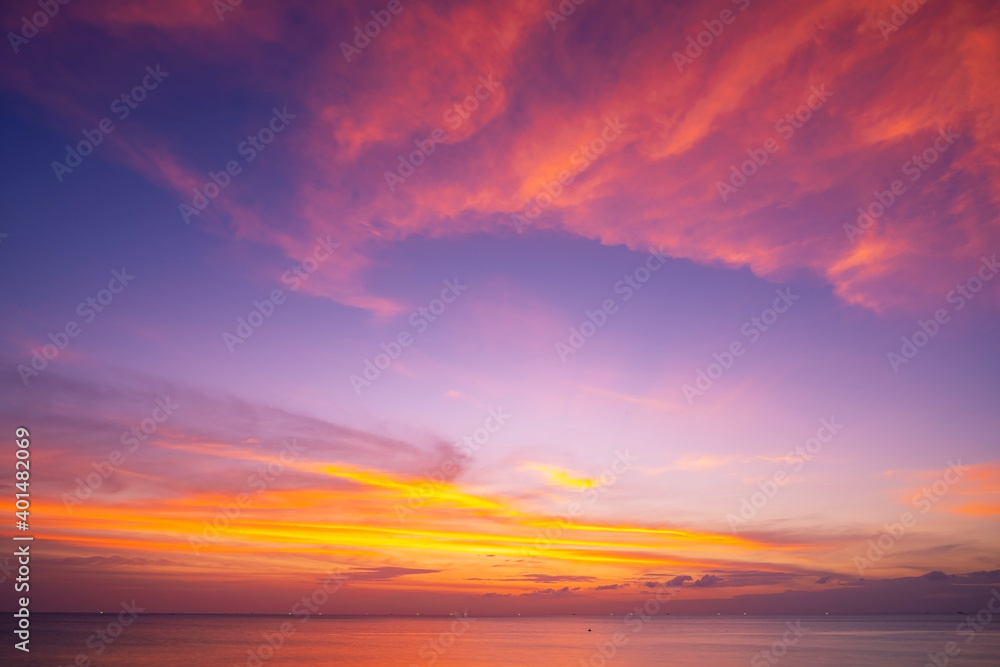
point(655, 186)
point(555, 476)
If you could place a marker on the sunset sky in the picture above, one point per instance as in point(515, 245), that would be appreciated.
point(514, 307)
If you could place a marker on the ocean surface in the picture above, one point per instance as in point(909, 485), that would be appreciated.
point(720, 641)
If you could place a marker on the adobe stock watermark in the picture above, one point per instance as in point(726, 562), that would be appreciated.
point(635, 621)
point(223, 7)
point(300, 271)
point(564, 10)
point(122, 107)
point(38, 20)
point(969, 629)
point(88, 309)
point(582, 158)
point(132, 438)
point(249, 150)
point(420, 320)
point(294, 277)
point(432, 649)
point(894, 532)
point(302, 611)
point(544, 539)
point(595, 320)
point(372, 29)
point(752, 329)
point(901, 13)
point(261, 480)
point(454, 116)
point(794, 120)
point(914, 168)
point(929, 328)
point(797, 457)
point(467, 448)
point(704, 39)
point(773, 654)
point(245, 327)
point(102, 639)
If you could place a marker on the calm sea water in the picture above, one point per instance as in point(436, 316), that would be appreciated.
point(196, 640)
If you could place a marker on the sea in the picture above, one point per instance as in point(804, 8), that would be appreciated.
point(182, 640)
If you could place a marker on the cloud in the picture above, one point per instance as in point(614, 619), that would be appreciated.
point(707, 581)
point(113, 561)
point(965, 489)
point(539, 578)
point(384, 573)
point(555, 476)
point(552, 578)
point(551, 592)
point(733, 578)
point(673, 582)
point(84, 421)
point(610, 587)
point(711, 462)
point(657, 185)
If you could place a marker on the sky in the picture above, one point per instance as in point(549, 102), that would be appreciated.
point(515, 308)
